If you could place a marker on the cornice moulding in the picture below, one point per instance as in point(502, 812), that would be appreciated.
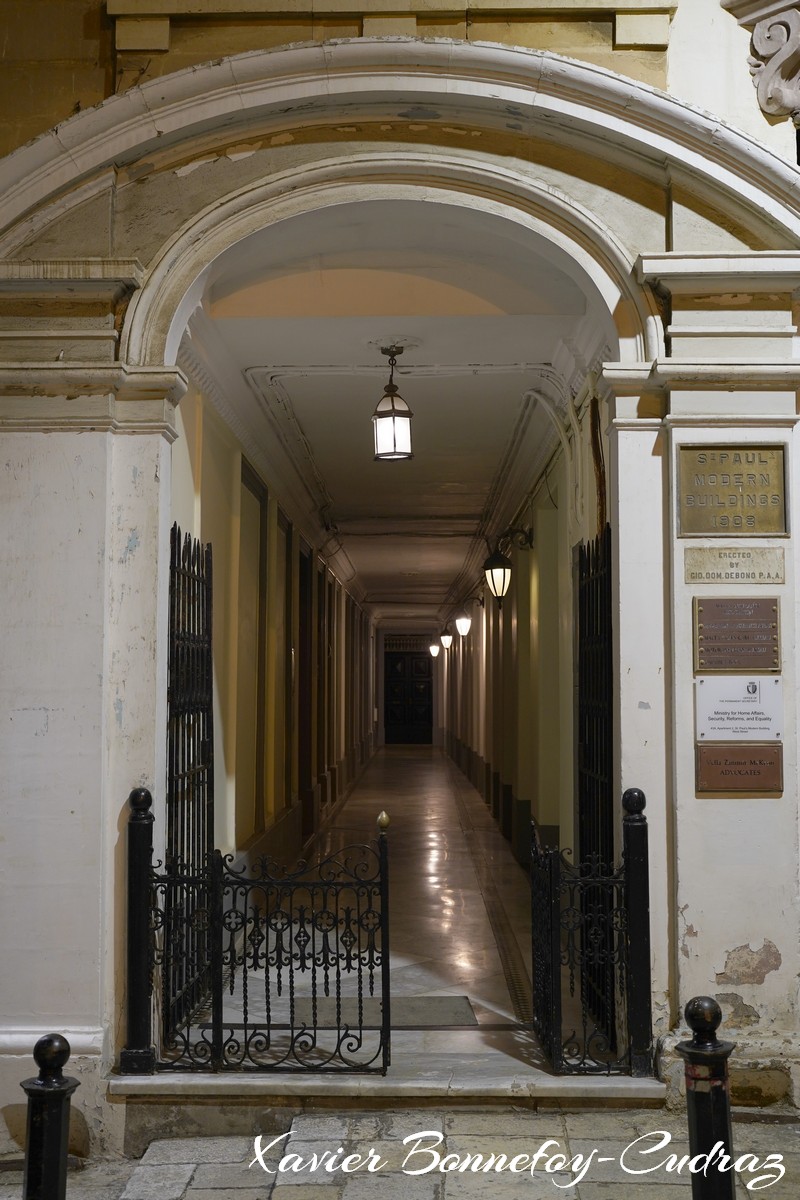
point(750, 12)
point(72, 381)
point(54, 273)
point(730, 375)
point(760, 270)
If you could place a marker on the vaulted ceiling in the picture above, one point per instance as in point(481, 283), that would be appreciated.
point(293, 320)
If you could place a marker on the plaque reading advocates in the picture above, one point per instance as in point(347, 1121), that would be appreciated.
point(734, 564)
point(733, 634)
point(739, 708)
point(723, 767)
point(726, 491)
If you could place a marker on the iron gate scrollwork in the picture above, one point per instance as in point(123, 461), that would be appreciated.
point(298, 961)
point(591, 920)
point(299, 965)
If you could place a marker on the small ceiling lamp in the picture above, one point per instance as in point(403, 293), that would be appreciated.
point(497, 567)
point(463, 623)
point(434, 649)
point(446, 637)
point(392, 417)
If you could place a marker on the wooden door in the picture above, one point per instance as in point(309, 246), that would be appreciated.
point(408, 697)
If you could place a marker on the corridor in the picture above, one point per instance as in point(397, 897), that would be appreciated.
point(459, 910)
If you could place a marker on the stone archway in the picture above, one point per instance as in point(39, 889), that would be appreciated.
point(224, 120)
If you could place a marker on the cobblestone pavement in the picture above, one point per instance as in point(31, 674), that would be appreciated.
point(433, 1155)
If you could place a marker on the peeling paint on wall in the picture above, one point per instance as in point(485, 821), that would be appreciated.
point(689, 931)
point(744, 965)
point(739, 1013)
point(131, 545)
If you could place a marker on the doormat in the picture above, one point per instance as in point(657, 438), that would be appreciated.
point(407, 1012)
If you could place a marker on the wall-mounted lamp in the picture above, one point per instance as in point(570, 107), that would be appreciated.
point(434, 649)
point(392, 417)
point(497, 567)
point(463, 623)
point(446, 637)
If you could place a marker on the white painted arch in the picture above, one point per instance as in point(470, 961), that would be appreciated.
point(576, 240)
point(435, 80)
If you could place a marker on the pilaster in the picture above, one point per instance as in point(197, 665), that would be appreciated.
point(85, 493)
point(729, 397)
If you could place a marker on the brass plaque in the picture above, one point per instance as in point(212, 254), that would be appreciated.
point(724, 767)
point(737, 635)
point(731, 491)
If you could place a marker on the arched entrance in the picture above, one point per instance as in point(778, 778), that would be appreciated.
point(582, 163)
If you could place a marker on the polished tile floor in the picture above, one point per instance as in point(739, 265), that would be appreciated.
point(459, 901)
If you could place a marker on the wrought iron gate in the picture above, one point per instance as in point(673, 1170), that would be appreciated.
point(297, 971)
point(595, 740)
point(591, 921)
point(591, 958)
point(190, 778)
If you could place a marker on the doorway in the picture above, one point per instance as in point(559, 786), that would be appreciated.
point(408, 698)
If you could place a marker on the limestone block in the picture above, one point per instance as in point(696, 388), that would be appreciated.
point(389, 26)
point(220, 8)
point(641, 29)
point(443, 26)
point(142, 33)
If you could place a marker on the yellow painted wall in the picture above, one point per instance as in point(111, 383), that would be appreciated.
point(60, 56)
point(248, 784)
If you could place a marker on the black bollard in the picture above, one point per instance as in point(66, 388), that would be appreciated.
point(48, 1121)
point(637, 907)
point(138, 1056)
point(708, 1102)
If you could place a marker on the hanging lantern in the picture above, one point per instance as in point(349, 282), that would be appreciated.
point(434, 649)
point(392, 417)
point(446, 637)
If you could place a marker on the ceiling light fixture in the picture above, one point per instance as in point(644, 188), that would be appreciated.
point(446, 637)
point(434, 649)
point(497, 567)
point(392, 417)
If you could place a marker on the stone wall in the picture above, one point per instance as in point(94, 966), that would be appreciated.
point(61, 56)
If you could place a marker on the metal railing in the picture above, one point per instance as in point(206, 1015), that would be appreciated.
point(298, 964)
point(591, 954)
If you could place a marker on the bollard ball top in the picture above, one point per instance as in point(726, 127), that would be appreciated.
point(140, 800)
point(51, 1054)
point(634, 801)
point(703, 1016)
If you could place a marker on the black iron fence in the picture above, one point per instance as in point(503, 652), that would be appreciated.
point(190, 775)
point(591, 954)
point(298, 961)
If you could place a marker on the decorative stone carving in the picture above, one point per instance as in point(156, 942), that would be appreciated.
point(775, 66)
point(775, 62)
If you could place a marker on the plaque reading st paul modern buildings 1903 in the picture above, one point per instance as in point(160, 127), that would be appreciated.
point(726, 491)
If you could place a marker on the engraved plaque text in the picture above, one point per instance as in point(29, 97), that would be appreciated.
point(731, 491)
point(731, 768)
point(736, 634)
